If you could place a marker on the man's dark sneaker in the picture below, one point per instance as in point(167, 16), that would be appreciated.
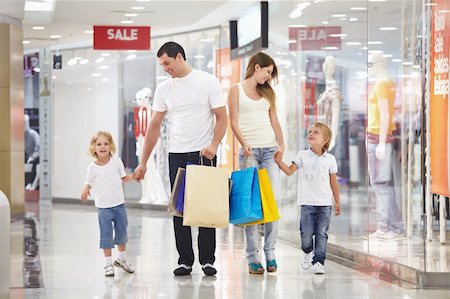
point(209, 269)
point(182, 270)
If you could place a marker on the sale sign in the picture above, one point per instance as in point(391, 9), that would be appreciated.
point(121, 38)
point(439, 108)
point(314, 38)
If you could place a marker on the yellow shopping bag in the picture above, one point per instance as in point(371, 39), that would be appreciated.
point(269, 204)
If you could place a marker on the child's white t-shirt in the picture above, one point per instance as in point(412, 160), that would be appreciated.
point(314, 187)
point(106, 183)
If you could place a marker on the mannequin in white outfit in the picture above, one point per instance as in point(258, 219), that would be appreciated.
point(153, 190)
point(32, 142)
point(329, 102)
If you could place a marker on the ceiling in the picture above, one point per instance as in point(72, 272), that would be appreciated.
point(69, 19)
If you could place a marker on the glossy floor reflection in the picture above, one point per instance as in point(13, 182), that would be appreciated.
point(71, 265)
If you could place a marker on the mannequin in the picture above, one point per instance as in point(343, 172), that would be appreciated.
point(329, 102)
point(153, 190)
point(380, 149)
point(32, 142)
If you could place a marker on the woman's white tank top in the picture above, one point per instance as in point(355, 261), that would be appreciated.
point(254, 121)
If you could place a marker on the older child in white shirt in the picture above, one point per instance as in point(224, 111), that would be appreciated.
point(105, 176)
point(317, 186)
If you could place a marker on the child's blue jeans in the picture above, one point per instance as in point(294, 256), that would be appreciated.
point(106, 218)
point(315, 221)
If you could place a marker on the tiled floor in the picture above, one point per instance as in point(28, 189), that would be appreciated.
point(65, 262)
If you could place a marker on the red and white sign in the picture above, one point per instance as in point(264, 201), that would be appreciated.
point(121, 38)
point(314, 38)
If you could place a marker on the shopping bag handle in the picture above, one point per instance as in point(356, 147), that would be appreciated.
point(201, 161)
point(252, 164)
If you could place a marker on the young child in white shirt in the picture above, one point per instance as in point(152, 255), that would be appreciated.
point(317, 186)
point(105, 176)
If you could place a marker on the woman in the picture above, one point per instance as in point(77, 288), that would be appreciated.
point(255, 124)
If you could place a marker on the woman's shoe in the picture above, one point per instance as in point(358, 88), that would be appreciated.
point(272, 266)
point(255, 268)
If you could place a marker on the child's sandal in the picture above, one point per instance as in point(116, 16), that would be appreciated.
point(272, 266)
point(255, 268)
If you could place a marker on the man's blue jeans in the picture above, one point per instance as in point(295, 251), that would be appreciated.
point(314, 221)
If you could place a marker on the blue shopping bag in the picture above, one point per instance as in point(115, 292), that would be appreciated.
point(179, 188)
point(245, 196)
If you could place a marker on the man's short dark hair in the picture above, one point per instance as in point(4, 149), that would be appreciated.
point(171, 49)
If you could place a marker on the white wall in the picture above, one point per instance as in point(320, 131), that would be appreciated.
point(82, 105)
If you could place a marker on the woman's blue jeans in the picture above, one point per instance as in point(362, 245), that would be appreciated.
point(262, 158)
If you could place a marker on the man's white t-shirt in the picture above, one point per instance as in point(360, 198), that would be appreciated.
point(314, 171)
point(106, 183)
point(188, 102)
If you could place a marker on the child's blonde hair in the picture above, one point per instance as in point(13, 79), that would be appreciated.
point(327, 134)
point(94, 138)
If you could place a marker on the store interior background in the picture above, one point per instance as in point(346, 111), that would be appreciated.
point(97, 90)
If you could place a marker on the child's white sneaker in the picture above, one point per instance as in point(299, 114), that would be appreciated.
point(307, 259)
point(124, 265)
point(318, 268)
point(109, 271)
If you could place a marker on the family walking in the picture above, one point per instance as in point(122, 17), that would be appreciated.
point(195, 106)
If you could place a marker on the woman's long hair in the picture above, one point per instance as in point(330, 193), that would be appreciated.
point(265, 90)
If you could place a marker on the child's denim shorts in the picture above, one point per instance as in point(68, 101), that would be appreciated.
point(106, 218)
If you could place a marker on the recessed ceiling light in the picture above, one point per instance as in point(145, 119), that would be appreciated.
point(388, 28)
point(353, 43)
point(132, 51)
point(358, 8)
point(375, 43)
point(131, 57)
point(126, 22)
point(199, 56)
point(387, 55)
point(407, 63)
point(25, 42)
point(103, 67)
point(38, 27)
point(137, 7)
point(339, 15)
point(55, 36)
point(292, 41)
point(297, 26)
point(206, 40)
point(131, 14)
point(88, 31)
point(329, 48)
point(396, 60)
point(337, 35)
point(96, 75)
point(430, 4)
point(377, 0)
point(72, 62)
point(84, 61)
point(99, 60)
point(105, 54)
point(105, 79)
point(353, 19)
point(325, 22)
point(143, 0)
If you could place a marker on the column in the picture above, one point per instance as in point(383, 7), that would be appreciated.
point(11, 116)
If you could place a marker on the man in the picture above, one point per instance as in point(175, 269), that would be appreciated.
point(191, 99)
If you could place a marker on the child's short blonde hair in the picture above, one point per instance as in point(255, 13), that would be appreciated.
point(94, 138)
point(327, 134)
